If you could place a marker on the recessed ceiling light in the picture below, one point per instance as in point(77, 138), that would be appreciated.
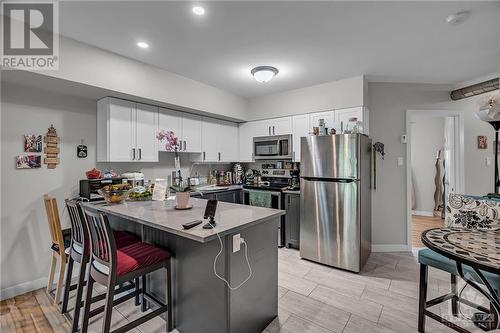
point(457, 18)
point(264, 73)
point(198, 10)
point(143, 45)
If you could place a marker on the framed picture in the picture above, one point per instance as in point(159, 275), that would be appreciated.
point(28, 161)
point(32, 143)
point(482, 142)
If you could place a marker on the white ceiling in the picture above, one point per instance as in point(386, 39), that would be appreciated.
point(310, 42)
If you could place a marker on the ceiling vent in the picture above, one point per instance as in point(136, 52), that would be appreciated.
point(475, 89)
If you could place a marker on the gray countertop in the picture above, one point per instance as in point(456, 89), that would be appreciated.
point(162, 215)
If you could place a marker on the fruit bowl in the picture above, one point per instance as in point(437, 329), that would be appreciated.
point(115, 194)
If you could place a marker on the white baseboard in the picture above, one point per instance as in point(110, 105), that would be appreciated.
point(22, 288)
point(389, 248)
point(422, 213)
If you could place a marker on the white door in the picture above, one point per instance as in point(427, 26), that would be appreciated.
point(328, 116)
point(282, 126)
point(227, 141)
point(170, 120)
point(191, 133)
point(246, 134)
point(146, 130)
point(121, 131)
point(343, 115)
point(300, 128)
point(209, 129)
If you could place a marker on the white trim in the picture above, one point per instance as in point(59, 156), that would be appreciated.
point(411, 114)
point(389, 248)
point(422, 213)
point(22, 288)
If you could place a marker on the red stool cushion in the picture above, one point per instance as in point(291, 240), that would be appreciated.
point(139, 255)
point(123, 238)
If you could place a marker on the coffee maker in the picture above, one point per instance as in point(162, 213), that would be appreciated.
point(294, 180)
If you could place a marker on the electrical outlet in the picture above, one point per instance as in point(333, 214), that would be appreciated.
point(236, 242)
point(400, 161)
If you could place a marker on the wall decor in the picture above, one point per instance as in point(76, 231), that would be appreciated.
point(482, 142)
point(28, 161)
point(81, 150)
point(51, 148)
point(32, 143)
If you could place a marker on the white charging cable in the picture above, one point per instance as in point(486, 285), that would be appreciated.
point(242, 240)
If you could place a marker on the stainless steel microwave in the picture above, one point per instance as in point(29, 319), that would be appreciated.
point(276, 147)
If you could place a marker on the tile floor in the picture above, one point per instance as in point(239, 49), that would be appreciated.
point(314, 298)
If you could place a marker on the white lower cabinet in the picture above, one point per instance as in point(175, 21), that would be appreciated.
point(126, 131)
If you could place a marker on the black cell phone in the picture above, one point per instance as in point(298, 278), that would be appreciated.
point(210, 209)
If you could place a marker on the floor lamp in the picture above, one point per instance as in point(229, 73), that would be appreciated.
point(490, 113)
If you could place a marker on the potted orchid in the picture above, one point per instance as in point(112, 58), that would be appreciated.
point(172, 144)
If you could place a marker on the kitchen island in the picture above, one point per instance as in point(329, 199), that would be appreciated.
point(203, 302)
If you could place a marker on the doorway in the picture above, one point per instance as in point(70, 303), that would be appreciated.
point(435, 168)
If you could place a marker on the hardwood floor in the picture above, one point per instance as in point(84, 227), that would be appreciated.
point(312, 298)
point(420, 224)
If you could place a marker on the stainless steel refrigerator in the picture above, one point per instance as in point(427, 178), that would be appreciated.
point(335, 194)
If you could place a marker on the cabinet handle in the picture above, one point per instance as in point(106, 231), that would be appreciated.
point(133, 153)
point(203, 155)
point(184, 145)
point(269, 129)
point(219, 156)
point(140, 154)
point(273, 131)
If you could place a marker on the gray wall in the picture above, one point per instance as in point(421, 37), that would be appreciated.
point(24, 234)
point(322, 97)
point(427, 138)
point(388, 103)
point(24, 230)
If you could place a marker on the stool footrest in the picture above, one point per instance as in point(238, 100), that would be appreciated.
point(141, 320)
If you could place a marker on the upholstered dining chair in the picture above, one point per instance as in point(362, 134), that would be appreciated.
point(462, 211)
point(58, 246)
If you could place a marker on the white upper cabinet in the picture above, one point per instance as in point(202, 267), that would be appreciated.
point(170, 120)
point(281, 126)
point(227, 142)
point(191, 133)
point(343, 116)
point(246, 134)
point(126, 131)
point(328, 116)
point(209, 129)
point(275, 126)
point(186, 127)
point(300, 127)
point(146, 130)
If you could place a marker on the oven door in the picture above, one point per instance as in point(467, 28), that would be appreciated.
point(276, 203)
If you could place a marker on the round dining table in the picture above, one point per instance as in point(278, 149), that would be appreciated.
point(477, 248)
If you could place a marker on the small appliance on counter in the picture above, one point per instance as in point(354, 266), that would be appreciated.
point(89, 187)
point(134, 179)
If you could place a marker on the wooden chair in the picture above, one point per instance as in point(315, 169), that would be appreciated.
point(110, 266)
point(57, 246)
point(79, 251)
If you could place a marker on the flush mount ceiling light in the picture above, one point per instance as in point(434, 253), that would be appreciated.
point(264, 73)
point(143, 45)
point(198, 10)
point(457, 18)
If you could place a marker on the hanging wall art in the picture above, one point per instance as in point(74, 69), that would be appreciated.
point(51, 148)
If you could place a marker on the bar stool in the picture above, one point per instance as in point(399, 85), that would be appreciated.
point(110, 266)
point(58, 246)
point(79, 251)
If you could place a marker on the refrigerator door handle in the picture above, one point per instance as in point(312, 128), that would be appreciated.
point(331, 180)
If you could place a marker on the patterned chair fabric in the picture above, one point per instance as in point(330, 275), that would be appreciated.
point(472, 212)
